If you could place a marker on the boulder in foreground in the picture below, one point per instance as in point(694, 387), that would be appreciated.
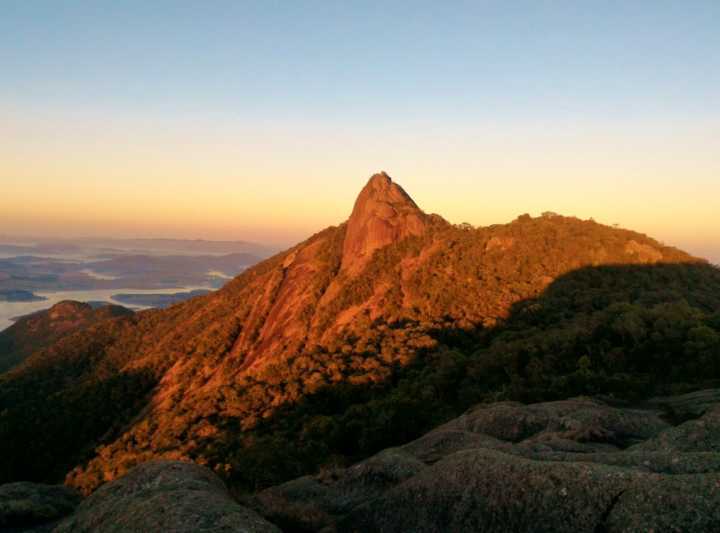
point(164, 496)
point(566, 466)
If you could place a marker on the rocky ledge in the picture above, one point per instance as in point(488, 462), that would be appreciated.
point(574, 465)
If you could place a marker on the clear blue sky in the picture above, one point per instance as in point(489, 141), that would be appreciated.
point(421, 89)
point(271, 58)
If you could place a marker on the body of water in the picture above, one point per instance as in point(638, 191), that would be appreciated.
point(9, 310)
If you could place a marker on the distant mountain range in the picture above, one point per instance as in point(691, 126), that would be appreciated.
point(363, 337)
point(119, 270)
point(44, 245)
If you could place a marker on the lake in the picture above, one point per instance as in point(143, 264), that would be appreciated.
point(9, 310)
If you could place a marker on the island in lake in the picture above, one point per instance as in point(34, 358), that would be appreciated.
point(18, 295)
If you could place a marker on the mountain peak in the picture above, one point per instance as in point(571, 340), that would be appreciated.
point(383, 213)
point(379, 180)
point(381, 187)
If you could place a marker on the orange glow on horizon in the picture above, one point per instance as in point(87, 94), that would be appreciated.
point(74, 177)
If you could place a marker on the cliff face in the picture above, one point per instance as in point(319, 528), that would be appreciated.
point(384, 213)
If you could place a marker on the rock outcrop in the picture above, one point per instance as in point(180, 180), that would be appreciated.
point(574, 465)
point(164, 496)
point(383, 213)
point(34, 507)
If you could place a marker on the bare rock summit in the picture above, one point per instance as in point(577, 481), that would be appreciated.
point(383, 213)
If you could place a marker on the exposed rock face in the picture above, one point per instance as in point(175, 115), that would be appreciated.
point(34, 507)
point(644, 252)
point(383, 213)
point(164, 496)
point(558, 466)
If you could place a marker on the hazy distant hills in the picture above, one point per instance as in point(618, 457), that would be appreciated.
point(177, 246)
point(70, 267)
point(90, 246)
point(362, 337)
point(138, 265)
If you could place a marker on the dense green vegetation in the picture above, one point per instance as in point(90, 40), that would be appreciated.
point(43, 328)
point(45, 426)
point(268, 379)
point(629, 332)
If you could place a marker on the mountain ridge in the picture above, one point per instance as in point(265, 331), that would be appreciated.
point(224, 379)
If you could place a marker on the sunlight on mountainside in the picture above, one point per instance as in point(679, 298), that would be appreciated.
point(221, 312)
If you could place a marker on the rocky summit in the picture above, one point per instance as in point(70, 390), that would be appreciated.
point(384, 213)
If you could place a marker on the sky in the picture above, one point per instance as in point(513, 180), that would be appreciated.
point(263, 120)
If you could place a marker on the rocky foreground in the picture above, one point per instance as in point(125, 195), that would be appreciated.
point(576, 465)
point(160, 496)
